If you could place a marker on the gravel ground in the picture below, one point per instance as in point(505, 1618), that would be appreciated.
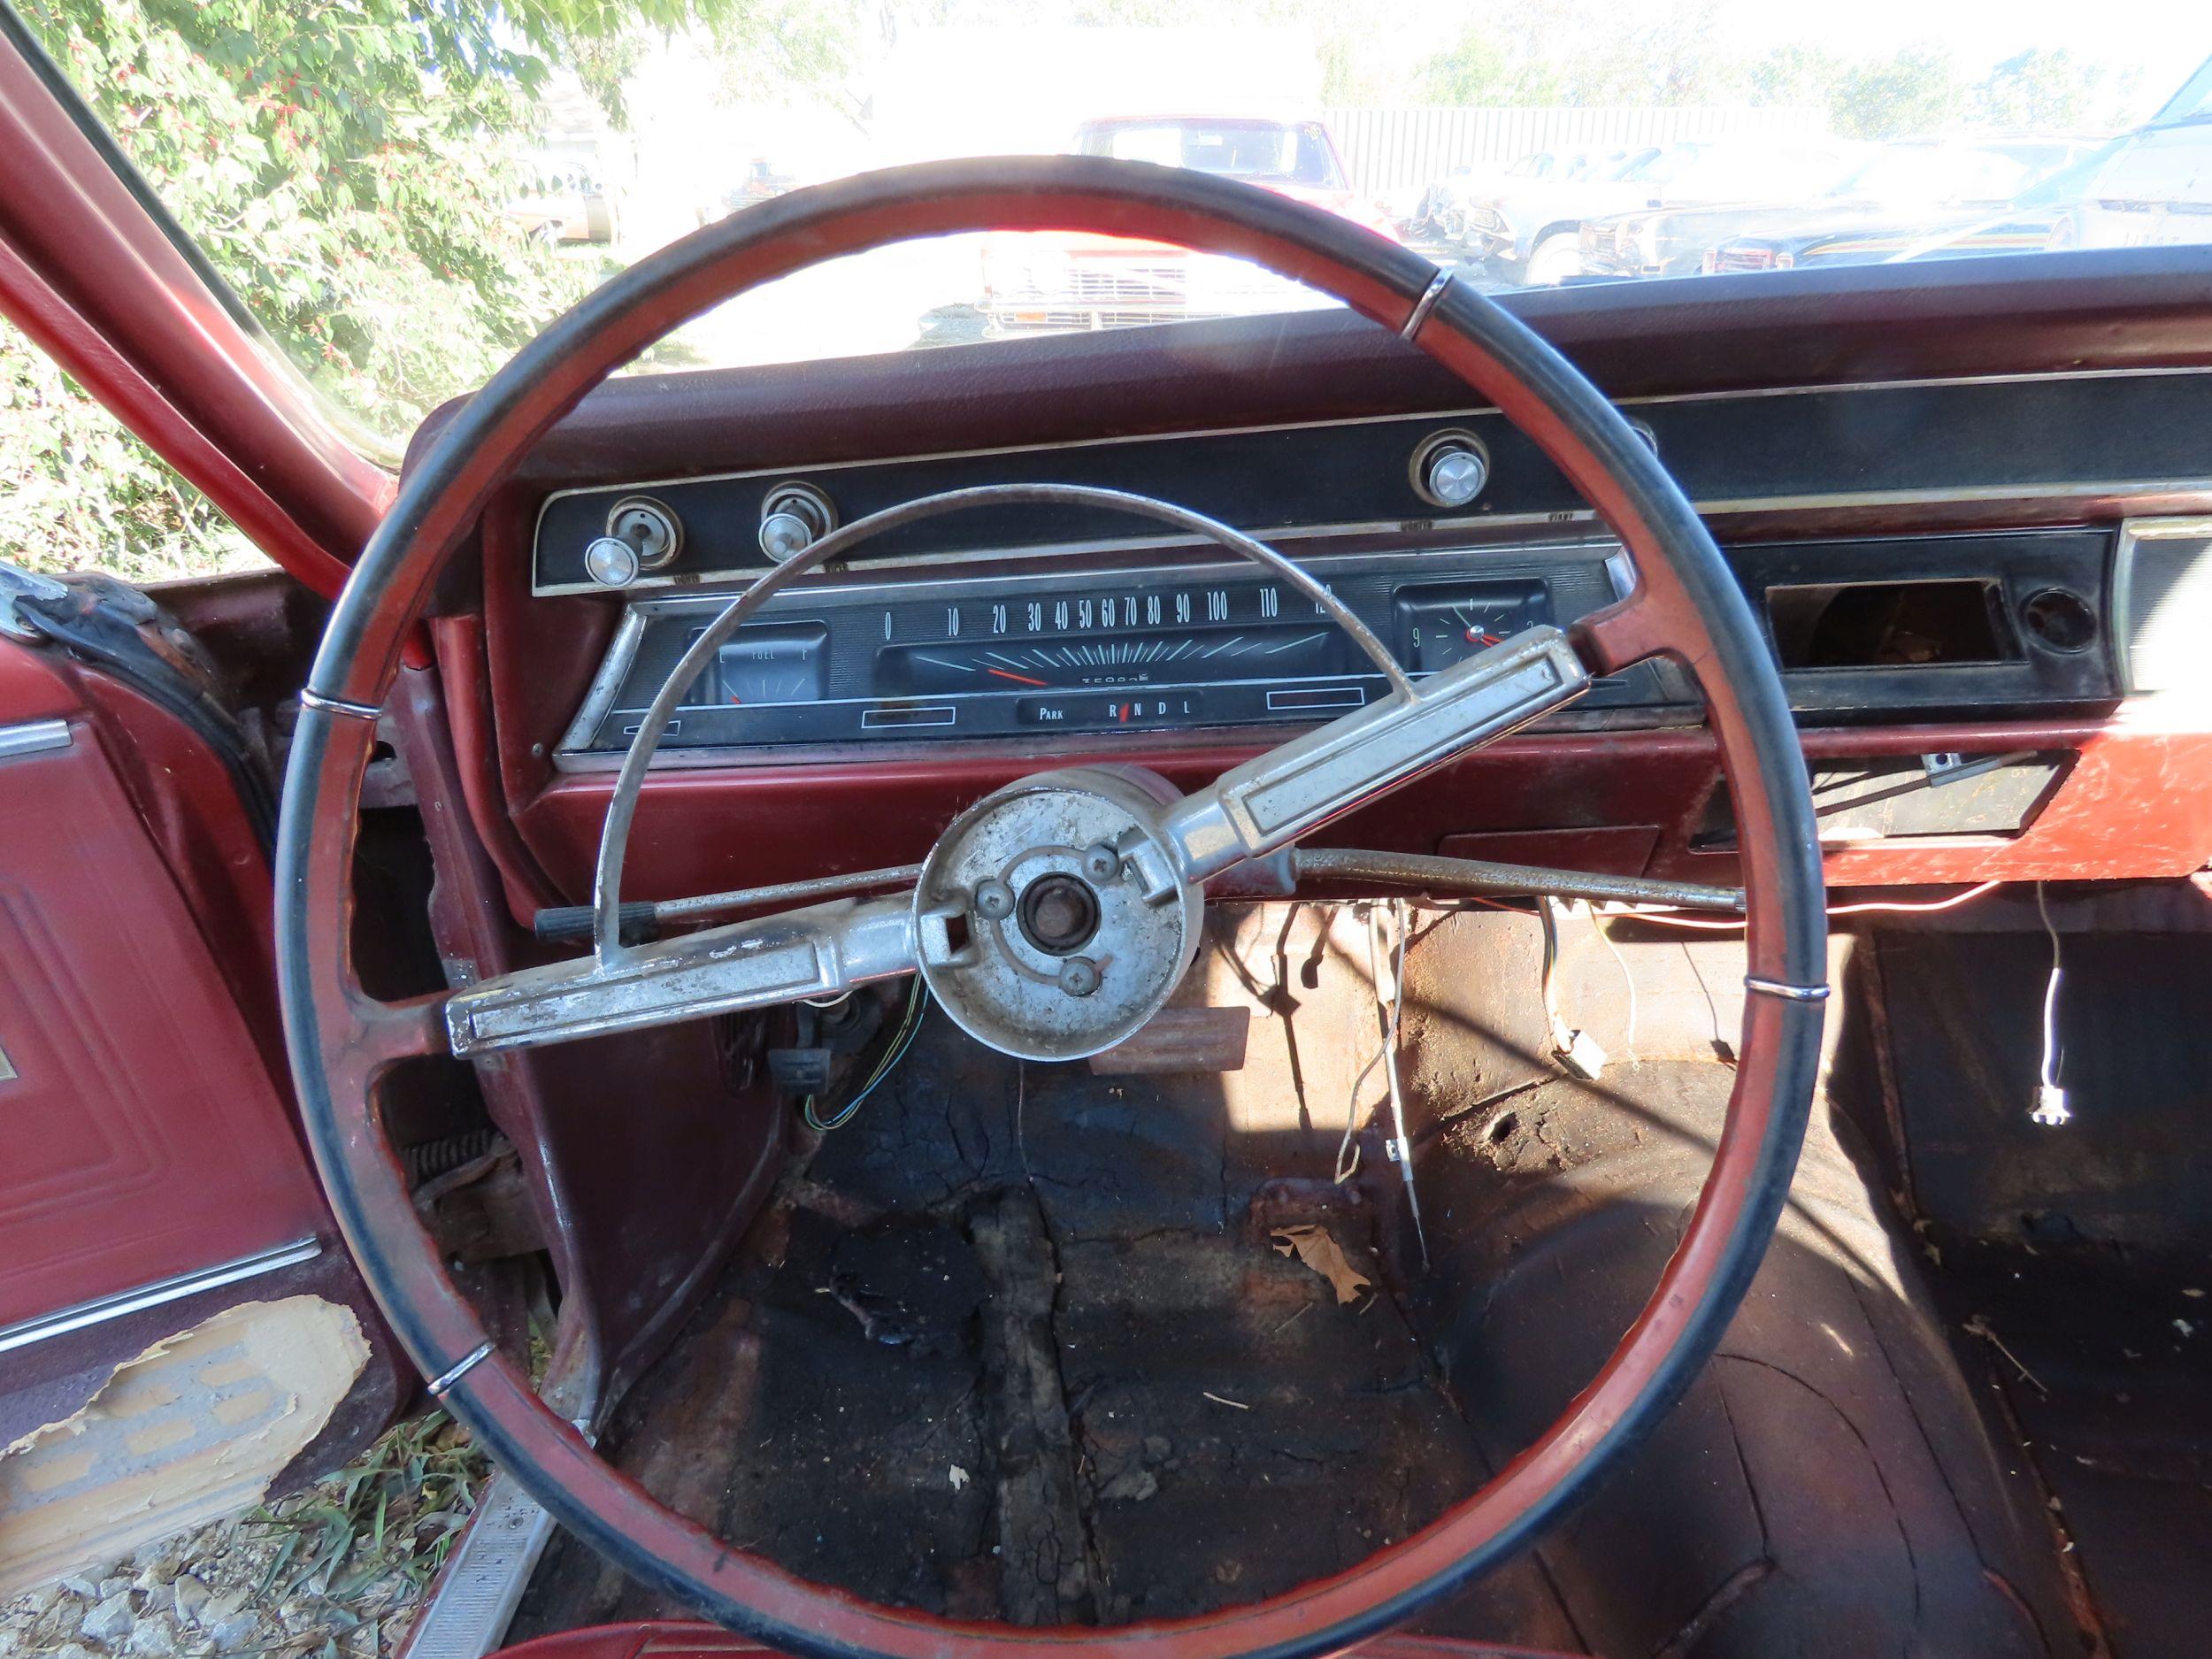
point(336, 1571)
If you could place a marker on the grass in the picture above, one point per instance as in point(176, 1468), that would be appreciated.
point(393, 1513)
point(339, 1569)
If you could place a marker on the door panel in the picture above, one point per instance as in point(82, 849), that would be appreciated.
point(144, 1138)
point(157, 1202)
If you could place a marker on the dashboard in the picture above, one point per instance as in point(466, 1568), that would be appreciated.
point(1982, 591)
point(1443, 533)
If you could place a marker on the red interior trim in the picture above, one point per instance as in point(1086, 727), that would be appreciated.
point(70, 342)
point(458, 645)
point(2131, 808)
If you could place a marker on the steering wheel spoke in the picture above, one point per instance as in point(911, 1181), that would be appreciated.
point(1632, 629)
point(377, 1036)
point(819, 951)
point(388, 1033)
point(1292, 790)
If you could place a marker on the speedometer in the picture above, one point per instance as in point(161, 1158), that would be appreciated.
point(1177, 658)
point(1079, 650)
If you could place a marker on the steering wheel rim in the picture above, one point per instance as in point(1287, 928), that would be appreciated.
point(1686, 603)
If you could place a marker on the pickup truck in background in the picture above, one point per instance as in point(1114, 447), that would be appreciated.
point(1034, 281)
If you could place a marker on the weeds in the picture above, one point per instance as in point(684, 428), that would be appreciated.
point(360, 1545)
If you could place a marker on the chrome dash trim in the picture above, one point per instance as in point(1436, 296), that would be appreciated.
point(1788, 993)
point(2118, 491)
point(34, 737)
point(1443, 417)
point(85, 1315)
point(707, 600)
point(2120, 605)
point(614, 668)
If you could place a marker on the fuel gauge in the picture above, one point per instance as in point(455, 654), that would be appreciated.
point(1446, 624)
point(787, 664)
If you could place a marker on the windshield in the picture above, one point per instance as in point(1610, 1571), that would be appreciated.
point(1930, 172)
point(1261, 152)
point(1718, 170)
point(402, 193)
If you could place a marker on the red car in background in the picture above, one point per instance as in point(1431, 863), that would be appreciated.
point(1033, 281)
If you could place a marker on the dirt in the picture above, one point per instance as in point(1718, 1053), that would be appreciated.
point(336, 1571)
point(1042, 1364)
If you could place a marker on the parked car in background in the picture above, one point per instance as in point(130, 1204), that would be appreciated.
point(1535, 231)
point(1532, 209)
point(565, 201)
point(2148, 188)
point(2151, 189)
point(1913, 186)
point(762, 181)
point(1033, 281)
point(1442, 213)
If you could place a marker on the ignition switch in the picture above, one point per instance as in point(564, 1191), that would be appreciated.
point(793, 517)
point(642, 536)
point(1449, 468)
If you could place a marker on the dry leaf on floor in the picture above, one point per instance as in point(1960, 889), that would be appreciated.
point(1320, 1252)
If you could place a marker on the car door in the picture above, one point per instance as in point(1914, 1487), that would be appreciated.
point(179, 1323)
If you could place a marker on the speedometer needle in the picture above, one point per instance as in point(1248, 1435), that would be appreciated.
point(1019, 679)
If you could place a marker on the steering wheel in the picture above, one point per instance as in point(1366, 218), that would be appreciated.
point(1057, 915)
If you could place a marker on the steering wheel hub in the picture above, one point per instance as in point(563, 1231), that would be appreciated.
point(1059, 914)
point(1051, 920)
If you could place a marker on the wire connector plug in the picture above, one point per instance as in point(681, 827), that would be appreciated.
point(2050, 1099)
point(1580, 1053)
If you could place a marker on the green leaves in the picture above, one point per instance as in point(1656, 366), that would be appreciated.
point(76, 490)
point(1584, 52)
point(346, 165)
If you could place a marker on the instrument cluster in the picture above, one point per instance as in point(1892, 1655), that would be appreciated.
point(1179, 647)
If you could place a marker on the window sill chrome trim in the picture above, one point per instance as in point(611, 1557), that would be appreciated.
point(102, 1310)
point(34, 737)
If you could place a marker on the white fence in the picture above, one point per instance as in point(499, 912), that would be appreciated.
point(1403, 149)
